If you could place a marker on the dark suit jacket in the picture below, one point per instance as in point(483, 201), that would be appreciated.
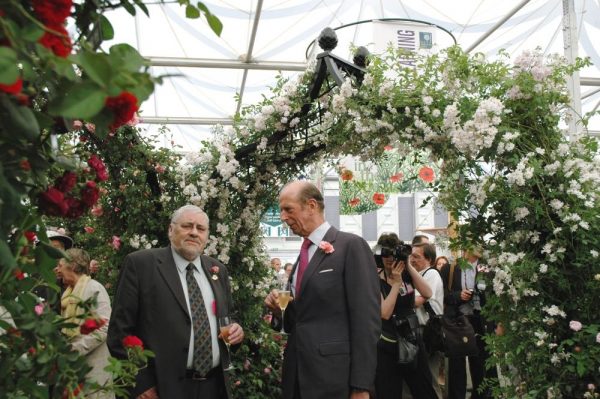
point(452, 299)
point(150, 304)
point(334, 322)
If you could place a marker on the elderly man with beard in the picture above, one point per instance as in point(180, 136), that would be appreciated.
point(171, 298)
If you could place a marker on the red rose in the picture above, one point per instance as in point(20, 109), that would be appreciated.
point(354, 201)
point(379, 198)
point(397, 177)
point(123, 108)
point(99, 167)
point(13, 88)
point(30, 235)
point(76, 208)
point(59, 44)
point(71, 394)
point(347, 175)
point(90, 194)
point(90, 325)
point(426, 174)
point(52, 202)
point(19, 275)
point(52, 11)
point(67, 182)
point(25, 165)
point(131, 341)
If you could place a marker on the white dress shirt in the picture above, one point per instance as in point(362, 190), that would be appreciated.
point(315, 238)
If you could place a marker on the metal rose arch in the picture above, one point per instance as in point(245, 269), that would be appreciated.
point(515, 185)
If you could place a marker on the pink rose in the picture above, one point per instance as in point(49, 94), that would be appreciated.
point(326, 247)
point(575, 325)
point(94, 266)
point(89, 229)
point(77, 124)
point(238, 383)
point(159, 168)
point(247, 364)
point(267, 370)
point(90, 127)
point(598, 338)
point(38, 309)
point(116, 242)
point(97, 210)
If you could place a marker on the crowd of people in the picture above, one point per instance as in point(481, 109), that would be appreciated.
point(352, 309)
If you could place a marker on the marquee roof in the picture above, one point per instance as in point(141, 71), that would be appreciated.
point(212, 77)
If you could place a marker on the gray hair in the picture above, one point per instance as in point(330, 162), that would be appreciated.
point(188, 208)
point(78, 260)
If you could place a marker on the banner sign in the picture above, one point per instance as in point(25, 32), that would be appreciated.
point(408, 36)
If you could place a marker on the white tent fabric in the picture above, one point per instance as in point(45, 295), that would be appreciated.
point(194, 97)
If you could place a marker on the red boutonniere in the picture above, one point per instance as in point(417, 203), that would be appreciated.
point(214, 271)
point(326, 247)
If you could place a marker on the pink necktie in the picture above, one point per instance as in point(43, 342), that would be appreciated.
point(302, 263)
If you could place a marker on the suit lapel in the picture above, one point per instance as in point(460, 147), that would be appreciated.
point(168, 271)
point(317, 258)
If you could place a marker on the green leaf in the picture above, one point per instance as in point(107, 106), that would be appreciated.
point(32, 32)
point(6, 256)
point(63, 67)
point(215, 24)
point(18, 120)
point(51, 251)
point(123, 56)
point(192, 12)
point(95, 66)
point(106, 28)
point(9, 72)
point(83, 101)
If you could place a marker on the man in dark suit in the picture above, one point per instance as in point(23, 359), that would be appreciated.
point(334, 319)
point(171, 298)
point(465, 297)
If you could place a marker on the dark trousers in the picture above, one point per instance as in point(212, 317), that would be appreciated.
point(457, 370)
point(390, 375)
point(211, 388)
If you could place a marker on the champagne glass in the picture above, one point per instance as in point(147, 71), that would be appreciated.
point(224, 325)
point(283, 298)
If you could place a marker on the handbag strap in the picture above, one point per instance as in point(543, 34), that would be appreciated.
point(451, 276)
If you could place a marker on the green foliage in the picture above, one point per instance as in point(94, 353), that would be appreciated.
point(45, 87)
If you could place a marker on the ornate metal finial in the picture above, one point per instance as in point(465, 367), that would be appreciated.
point(328, 39)
point(361, 57)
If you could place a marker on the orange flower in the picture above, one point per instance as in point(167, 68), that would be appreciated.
point(379, 198)
point(426, 174)
point(347, 175)
point(354, 201)
point(397, 177)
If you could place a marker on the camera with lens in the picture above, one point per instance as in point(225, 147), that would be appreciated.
point(400, 252)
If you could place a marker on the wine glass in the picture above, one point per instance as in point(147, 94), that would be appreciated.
point(283, 298)
point(224, 325)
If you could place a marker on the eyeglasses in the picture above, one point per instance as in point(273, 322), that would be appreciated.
point(191, 226)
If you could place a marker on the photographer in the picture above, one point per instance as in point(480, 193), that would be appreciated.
point(398, 281)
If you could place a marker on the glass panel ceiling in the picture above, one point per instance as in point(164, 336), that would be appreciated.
point(284, 30)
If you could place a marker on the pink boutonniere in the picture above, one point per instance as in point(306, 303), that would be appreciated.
point(214, 270)
point(326, 247)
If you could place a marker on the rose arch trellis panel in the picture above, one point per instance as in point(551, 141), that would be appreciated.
point(520, 189)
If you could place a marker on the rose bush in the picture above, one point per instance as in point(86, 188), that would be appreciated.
point(49, 76)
